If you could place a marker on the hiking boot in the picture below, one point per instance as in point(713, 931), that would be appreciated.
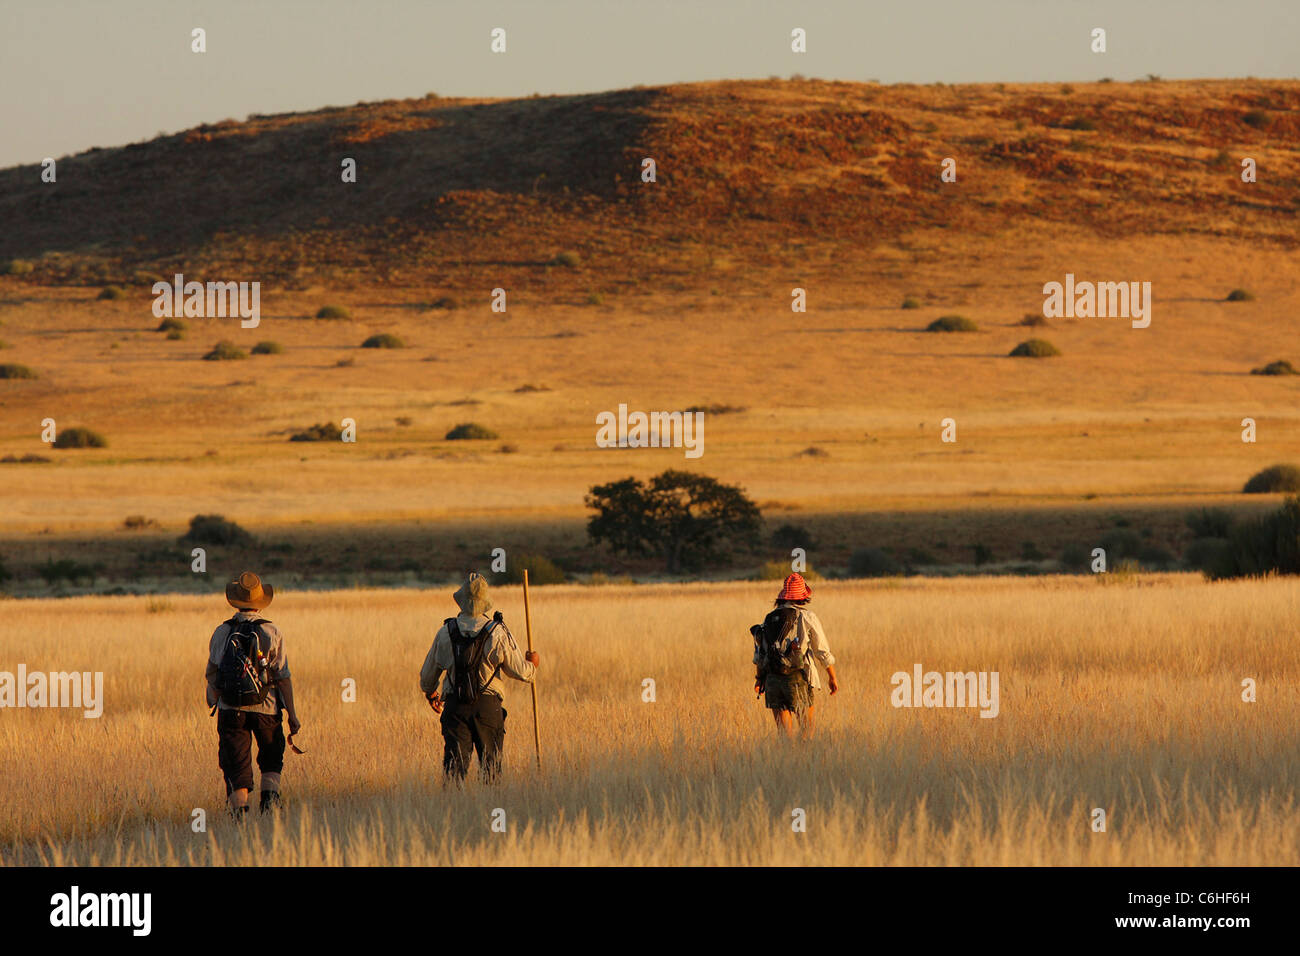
point(271, 801)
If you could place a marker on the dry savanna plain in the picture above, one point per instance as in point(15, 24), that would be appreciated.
point(1118, 691)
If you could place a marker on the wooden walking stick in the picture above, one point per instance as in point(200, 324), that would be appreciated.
point(528, 624)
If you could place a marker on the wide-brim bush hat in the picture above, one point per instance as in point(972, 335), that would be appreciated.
point(248, 591)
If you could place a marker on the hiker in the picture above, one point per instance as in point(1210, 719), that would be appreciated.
point(248, 689)
point(787, 645)
point(469, 654)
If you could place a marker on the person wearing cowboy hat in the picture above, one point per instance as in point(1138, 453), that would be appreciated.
point(478, 724)
point(787, 646)
point(249, 693)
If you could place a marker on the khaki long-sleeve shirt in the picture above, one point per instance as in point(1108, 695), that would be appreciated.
point(501, 655)
point(276, 659)
point(813, 640)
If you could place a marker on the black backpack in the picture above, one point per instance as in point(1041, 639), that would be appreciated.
point(245, 675)
point(467, 657)
point(779, 640)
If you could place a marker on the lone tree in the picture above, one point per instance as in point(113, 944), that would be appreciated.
point(681, 517)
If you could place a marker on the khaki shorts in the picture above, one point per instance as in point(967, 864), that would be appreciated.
point(792, 692)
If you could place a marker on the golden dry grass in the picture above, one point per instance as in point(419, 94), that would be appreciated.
point(1118, 693)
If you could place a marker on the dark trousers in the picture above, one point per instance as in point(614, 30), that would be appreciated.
point(236, 730)
point(480, 726)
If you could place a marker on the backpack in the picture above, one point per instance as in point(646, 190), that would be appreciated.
point(467, 658)
point(778, 639)
point(245, 674)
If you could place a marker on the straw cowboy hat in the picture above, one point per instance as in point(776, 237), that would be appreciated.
point(795, 589)
point(472, 597)
point(248, 591)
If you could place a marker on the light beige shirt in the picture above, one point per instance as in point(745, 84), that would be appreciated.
point(277, 663)
point(813, 640)
point(501, 655)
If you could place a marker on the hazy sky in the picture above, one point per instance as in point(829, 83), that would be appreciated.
point(82, 73)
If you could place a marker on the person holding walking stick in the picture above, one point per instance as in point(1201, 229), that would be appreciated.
point(461, 680)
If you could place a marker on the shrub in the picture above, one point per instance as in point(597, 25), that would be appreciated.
point(911, 302)
point(138, 523)
point(225, 350)
point(1240, 295)
point(470, 431)
point(1274, 479)
point(267, 348)
point(333, 312)
point(1280, 367)
point(952, 323)
point(324, 432)
point(716, 408)
point(1210, 522)
point(66, 570)
point(169, 325)
point(595, 298)
point(1120, 544)
point(403, 420)
point(215, 529)
point(789, 536)
point(1212, 555)
point(541, 570)
point(1155, 557)
point(1035, 348)
point(13, 370)
point(1256, 118)
point(4, 572)
point(1033, 320)
point(1029, 552)
point(1076, 557)
point(345, 363)
point(444, 302)
point(813, 452)
point(570, 260)
point(1266, 545)
point(983, 554)
point(384, 340)
point(523, 389)
point(175, 335)
point(507, 449)
point(1081, 123)
point(80, 438)
point(872, 563)
point(111, 293)
point(15, 267)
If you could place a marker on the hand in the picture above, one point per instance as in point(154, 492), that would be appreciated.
point(435, 702)
point(835, 686)
point(531, 657)
point(295, 725)
point(758, 688)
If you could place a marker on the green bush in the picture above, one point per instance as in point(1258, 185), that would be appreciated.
point(111, 293)
point(268, 348)
point(1033, 320)
point(323, 432)
point(215, 530)
point(444, 302)
point(15, 267)
point(169, 325)
point(952, 323)
point(1210, 522)
point(175, 335)
point(225, 350)
point(66, 570)
point(384, 340)
point(541, 570)
point(1274, 479)
point(789, 536)
point(1240, 295)
point(872, 563)
point(470, 431)
point(1035, 348)
point(1265, 545)
point(1076, 558)
point(80, 438)
point(1212, 555)
point(570, 260)
point(14, 370)
point(333, 312)
point(911, 302)
point(1280, 367)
